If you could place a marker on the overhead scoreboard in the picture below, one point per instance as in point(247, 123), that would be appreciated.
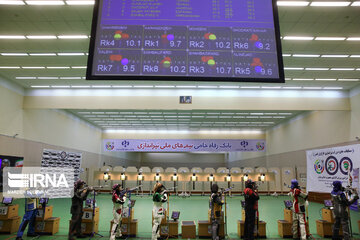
point(194, 40)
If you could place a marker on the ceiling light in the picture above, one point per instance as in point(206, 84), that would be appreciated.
point(57, 67)
point(72, 36)
point(64, 86)
point(11, 2)
point(287, 79)
point(355, 56)
point(33, 67)
point(48, 77)
point(163, 86)
point(316, 69)
point(25, 77)
point(293, 68)
point(70, 78)
point(9, 67)
point(250, 87)
point(330, 4)
point(12, 37)
point(303, 79)
point(286, 55)
point(14, 54)
point(80, 2)
point(41, 37)
point(271, 87)
point(101, 86)
point(143, 86)
point(335, 56)
point(330, 38)
point(42, 54)
point(228, 86)
point(342, 69)
point(122, 86)
point(353, 39)
point(298, 38)
point(291, 87)
point(348, 79)
point(79, 67)
point(40, 86)
point(333, 88)
point(306, 55)
point(207, 86)
point(325, 79)
point(356, 4)
point(70, 54)
point(292, 3)
point(312, 88)
point(186, 86)
point(52, 2)
point(80, 86)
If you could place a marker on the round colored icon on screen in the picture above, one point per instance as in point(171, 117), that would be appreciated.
point(124, 61)
point(210, 36)
point(166, 62)
point(254, 38)
point(319, 166)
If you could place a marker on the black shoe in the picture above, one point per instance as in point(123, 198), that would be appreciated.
point(81, 236)
point(32, 235)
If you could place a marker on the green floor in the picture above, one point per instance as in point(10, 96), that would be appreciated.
point(193, 208)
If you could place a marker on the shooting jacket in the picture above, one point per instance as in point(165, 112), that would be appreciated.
point(251, 199)
point(216, 203)
point(77, 201)
point(299, 200)
point(340, 203)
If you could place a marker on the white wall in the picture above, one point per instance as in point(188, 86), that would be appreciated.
point(355, 116)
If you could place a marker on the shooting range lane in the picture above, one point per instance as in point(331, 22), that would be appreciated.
point(271, 209)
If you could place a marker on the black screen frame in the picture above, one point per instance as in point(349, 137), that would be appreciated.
point(90, 76)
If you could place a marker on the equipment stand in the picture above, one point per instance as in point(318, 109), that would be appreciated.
point(93, 233)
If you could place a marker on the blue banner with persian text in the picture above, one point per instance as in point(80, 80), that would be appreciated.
point(184, 145)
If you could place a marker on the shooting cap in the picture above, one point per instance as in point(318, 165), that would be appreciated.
point(115, 186)
point(294, 183)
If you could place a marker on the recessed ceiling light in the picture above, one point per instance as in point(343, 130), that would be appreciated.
point(70, 78)
point(9, 67)
point(101, 86)
point(348, 79)
point(330, 38)
point(122, 86)
point(40, 86)
point(48, 77)
point(342, 69)
point(72, 36)
point(80, 2)
point(356, 4)
point(312, 88)
point(41, 37)
point(42, 54)
point(306, 55)
point(292, 3)
point(12, 37)
point(143, 86)
point(52, 2)
point(164, 86)
point(60, 86)
point(33, 67)
point(286, 55)
point(303, 79)
point(298, 38)
point(25, 77)
point(70, 54)
point(250, 87)
point(186, 86)
point(202, 86)
point(79, 67)
point(316, 69)
point(11, 2)
point(266, 87)
point(14, 54)
point(325, 79)
point(293, 68)
point(287, 79)
point(353, 39)
point(355, 56)
point(335, 56)
point(291, 87)
point(228, 86)
point(58, 67)
point(80, 86)
point(333, 88)
point(330, 4)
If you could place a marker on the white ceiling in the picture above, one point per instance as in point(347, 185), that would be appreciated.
point(193, 120)
point(76, 20)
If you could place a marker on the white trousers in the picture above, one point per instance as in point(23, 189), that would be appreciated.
point(158, 213)
point(116, 227)
point(299, 222)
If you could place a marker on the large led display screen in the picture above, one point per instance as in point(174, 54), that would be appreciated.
point(210, 40)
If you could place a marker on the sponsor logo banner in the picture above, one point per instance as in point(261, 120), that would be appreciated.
point(329, 164)
point(184, 145)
